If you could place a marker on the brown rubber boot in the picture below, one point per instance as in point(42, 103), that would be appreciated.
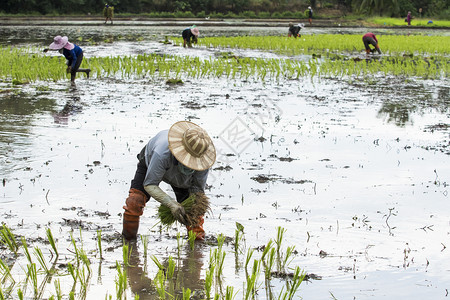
point(134, 208)
point(198, 229)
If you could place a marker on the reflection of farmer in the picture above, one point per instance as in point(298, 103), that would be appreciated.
point(72, 53)
point(71, 107)
point(370, 38)
point(190, 35)
point(187, 273)
point(180, 157)
point(294, 30)
point(310, 15)
point(108, 13)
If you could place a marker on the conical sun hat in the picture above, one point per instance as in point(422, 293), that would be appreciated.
point(195, 31)
point(59, 42)
point(191, 145)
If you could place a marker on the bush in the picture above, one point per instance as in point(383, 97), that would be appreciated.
point(287, 14)
point(166, 14)
point(264, 15)
point(231, 15)
point(201, 14)
point(184, 14)
point(217, 15)
point(276, 15)
point(249, 14)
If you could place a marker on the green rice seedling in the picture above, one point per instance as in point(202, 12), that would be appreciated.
point(41, 259)
point(160, 281)
point(297, 279)
point(229, 293)
point(75, 249)
point(126, 252)
point(51, 241)
point(288, 256)
point(248, 257)
point(179, 243)
point(32, 275)
point(99, 243)
point(2, 296)
point(58, 290)
point(20, 294)
point(170, 268)
point(144, 240)
point(71, 295)
point(209, 281)
point(191, 238)
point(25, 248)
point(121, 281)
point(252, 280)
point(219, 256)
point(269, 263)
point(267, 249)
point(85, 259)
point(195, 206)
point(5, 271)
point(72, 272)
point(157, 263)
point(186, 294)
point(8, 239)
point(279, 239)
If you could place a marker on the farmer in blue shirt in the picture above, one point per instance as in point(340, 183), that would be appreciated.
point(180, 157)
point(73, 54)
point(190, 35)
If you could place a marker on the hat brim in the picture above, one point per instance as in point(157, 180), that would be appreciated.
point(177, 149)
point(62, 42)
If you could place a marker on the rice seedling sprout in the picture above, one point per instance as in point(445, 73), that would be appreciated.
point(191, 238)
point(99, 243)
point(51, 241)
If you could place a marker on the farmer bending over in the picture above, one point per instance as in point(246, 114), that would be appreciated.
point(190, 35)
point(181, 157)
point(294, 30)
point(73, 54)
point(370, 38)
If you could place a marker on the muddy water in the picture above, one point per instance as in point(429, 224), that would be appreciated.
point(357, 174)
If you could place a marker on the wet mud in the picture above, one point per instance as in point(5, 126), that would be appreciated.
point(357, 174)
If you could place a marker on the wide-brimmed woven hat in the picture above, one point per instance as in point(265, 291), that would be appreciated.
point(191, 145)
point(59, 42)
point(195, 31)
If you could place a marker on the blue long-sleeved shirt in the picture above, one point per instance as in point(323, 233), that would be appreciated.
point(72, 55)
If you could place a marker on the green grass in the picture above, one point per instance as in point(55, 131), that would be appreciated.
point(422, 22)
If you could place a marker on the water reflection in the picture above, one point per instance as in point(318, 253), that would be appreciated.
point(19, 112)
point(72, 107)
point(187, 273)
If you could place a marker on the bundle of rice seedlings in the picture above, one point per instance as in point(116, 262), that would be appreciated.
point(195, 206)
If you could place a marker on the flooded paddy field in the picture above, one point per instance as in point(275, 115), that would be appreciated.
point(354, 174)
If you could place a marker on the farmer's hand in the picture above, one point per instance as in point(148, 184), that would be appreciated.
point(178, 212)
point(69, 69)
point(45, 50)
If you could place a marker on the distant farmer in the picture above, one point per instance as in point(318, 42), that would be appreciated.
point(73, 54)
point(370, 39)
point(294, 30)
point(181, 157)
point(108, 13)
point(190, 35)
point(408, 18)
point(310, 15)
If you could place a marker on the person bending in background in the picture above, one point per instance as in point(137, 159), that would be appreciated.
point(73, 54)
point(190, 35)
point(294, 30)
point(370, 39)
point(108, 13)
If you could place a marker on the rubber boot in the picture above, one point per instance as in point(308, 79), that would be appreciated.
point(130, 226)
point(198, 229)
point(134, 208)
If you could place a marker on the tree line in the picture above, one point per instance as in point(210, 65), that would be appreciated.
point(253, 8)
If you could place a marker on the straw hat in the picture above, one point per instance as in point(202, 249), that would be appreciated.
point(59, 42)
point(191, 145)
point(195, 31)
